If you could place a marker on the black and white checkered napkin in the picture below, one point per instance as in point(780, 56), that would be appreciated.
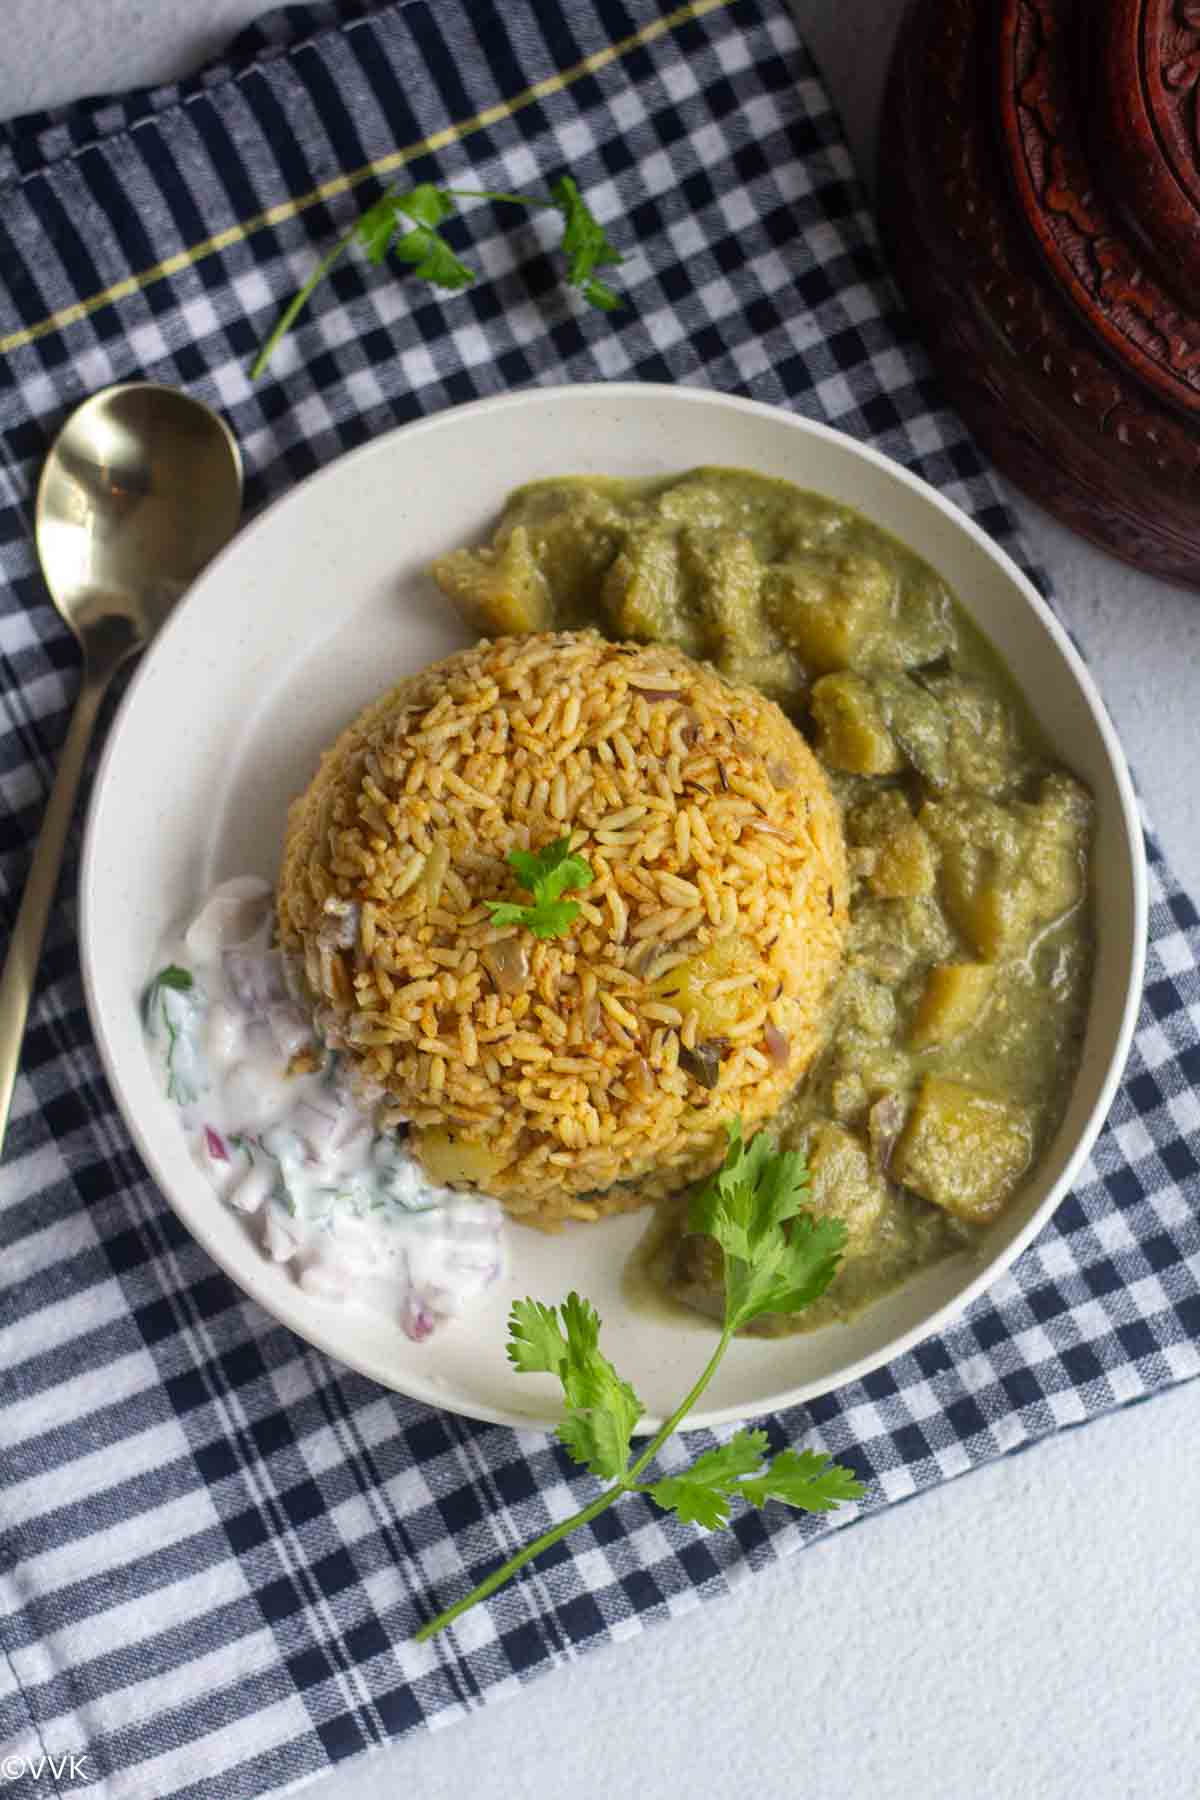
point(215, 1542)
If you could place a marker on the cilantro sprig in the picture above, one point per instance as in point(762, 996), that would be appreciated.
point(406, 224)
point(777, 1258)
point(745, 1206)
point(548, 874)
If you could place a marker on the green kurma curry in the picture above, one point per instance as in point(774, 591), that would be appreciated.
point(955, 1028)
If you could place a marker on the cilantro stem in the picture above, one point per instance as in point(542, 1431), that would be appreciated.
point(601, 1503)
point(498, 1577)
point(489, 194)
point(685, 1406)
point(299, 301)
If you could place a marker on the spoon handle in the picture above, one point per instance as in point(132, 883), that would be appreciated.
point(20, 965)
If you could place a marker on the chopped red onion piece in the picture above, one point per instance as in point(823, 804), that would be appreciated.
point(779, 1047)
point(214, 1143)
point(416, 1320)
point(508, 962)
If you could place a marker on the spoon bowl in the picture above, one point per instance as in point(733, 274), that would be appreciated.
point(142, 487)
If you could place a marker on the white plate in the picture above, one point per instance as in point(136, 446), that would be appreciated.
point(322, 603)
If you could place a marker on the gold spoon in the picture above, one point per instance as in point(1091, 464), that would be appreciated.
point(141, 487)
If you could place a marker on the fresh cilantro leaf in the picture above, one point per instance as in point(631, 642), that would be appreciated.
point(508, 912)
point(572, 872)
point(379, 232)
point(549, 921)
point(425, 204)
point(377, 227)
point(745, 1207)
point(586, 245)
point(700, 1494)
point(433, 259)
point(536, 1344)
point(597, 1435)
point(552, 918)
point(808, 1263)
point(581, 1322)
point(602, 1409)
point(806, 1479)
point(173, 977)
point(547, 873)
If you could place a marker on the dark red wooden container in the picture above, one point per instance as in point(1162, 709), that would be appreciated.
point(1040, 201)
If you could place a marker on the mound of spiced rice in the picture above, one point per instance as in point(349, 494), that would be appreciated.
point(585, 1073)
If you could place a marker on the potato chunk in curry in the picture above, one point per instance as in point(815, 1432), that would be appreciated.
point(953, 997)
point(900, 864)
point(852, 729)
point(1008, 867)
point(643, 593)
point(830, 610)
point(962, 1149)
point(501, 589)
point(843, 1185)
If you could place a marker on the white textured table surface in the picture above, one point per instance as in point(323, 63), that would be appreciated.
point(1029, 1632)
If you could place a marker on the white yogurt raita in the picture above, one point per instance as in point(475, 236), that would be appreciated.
point(344, 1205)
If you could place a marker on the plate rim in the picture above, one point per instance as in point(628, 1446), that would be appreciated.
point(413, 1386)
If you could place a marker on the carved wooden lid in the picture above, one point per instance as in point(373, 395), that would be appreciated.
point(1040, 193)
